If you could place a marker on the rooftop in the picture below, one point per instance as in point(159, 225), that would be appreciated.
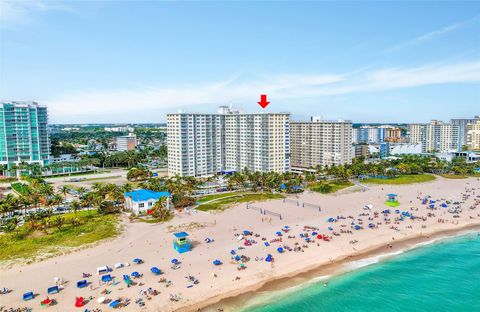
point(144, 195)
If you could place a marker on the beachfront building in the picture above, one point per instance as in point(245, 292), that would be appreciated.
point(127, 142)
point(207, 144)
point(393, 134)
point(376, 134)
point(462, 124)
point(435, 136)
point(473, 135)
point(23, 133)
point(141, 201)
point(320, 142)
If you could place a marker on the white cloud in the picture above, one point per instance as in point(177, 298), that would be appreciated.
point(23, 11)
point(280, 87)
point(432, 35)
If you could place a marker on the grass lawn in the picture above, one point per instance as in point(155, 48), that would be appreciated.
point(216, 196)
point(453, 176)
point(238, 198)
point(329, 187)
point(403, 179)
point(20, 188)
point(27, 243)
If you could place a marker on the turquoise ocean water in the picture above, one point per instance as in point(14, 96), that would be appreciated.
point(443, 276)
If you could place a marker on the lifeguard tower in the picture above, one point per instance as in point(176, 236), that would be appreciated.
point(392, 200)
point(181, 243)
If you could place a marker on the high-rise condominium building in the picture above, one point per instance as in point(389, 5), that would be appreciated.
point(23, 133)
point(206, 144)
point(473, 135)
point(369, 134)
point(320, 142)
point(462, 127)
point(435, 136)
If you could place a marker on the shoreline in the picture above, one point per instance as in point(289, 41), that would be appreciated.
point(233, 300)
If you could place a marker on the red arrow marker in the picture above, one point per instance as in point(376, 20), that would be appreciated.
point(263, 101)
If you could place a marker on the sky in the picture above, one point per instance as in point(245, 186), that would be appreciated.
point(136, 61)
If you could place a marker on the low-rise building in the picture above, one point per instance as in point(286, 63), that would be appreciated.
point(140, 201)
point(127, 143)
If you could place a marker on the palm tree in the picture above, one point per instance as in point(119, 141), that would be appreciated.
point(81, 191)
point(160, 210)
point(64, 189)
point(75, 206)
point(56, 200)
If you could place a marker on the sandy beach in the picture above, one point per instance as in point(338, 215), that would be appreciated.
point(220, 285)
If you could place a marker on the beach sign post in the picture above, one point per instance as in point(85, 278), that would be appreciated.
point(181, 243)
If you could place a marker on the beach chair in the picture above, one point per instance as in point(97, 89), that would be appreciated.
point(28, 296)
point(137, 261)
point(82, 284)
point(106, 278)
point(52, 290)
point(127, 280)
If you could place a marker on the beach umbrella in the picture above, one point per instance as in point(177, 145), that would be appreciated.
point(280, 249)
point(266, 244)
point(357, 227)
point(331, 220)
point(279, 233)
point(245, 232)
point(232, 252)
point(155, 270)
point(217, 262)
point(238, 258)
point(174, 261)
point(269, 258)
point(319, 236)
point(101, 300)
point(114, 304)
point(314, 233)
point(137, 260)
point(330, 228)
point(135, 274)
point(79, 302)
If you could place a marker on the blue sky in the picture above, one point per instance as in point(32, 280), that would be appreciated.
point(121, 61)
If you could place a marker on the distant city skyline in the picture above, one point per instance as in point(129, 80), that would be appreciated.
point(134, 62)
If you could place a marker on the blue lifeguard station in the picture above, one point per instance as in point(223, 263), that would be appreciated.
point(392, 200)
point(181, 243)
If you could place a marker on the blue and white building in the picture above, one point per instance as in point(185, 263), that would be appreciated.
point(369, 134)
point(139, 201)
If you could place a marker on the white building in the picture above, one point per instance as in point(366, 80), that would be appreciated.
point(473, 135)
point(320, 142)
point(140, 201)
point(462, 124)
point(206, 144)
point(127, 143)
point(405, 149)
point(435, 136)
